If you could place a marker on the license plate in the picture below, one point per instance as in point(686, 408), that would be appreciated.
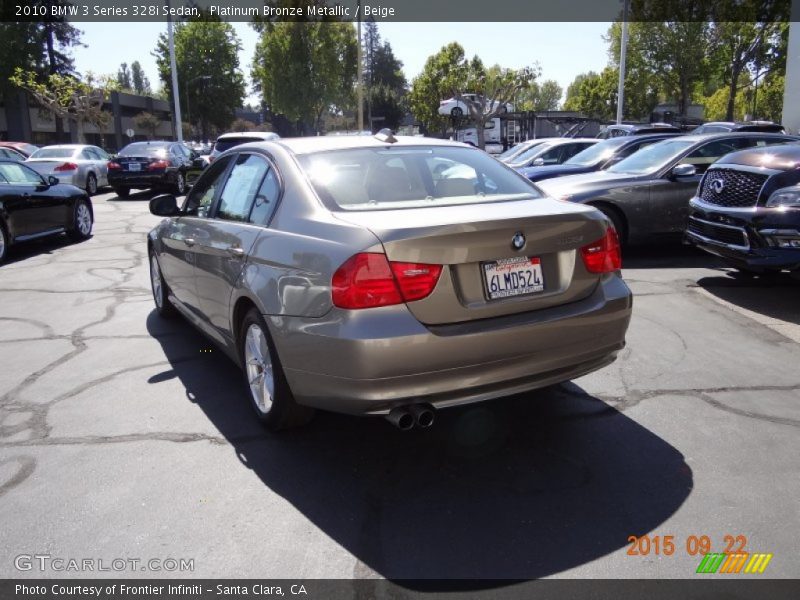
point(134, 167)
point(510, 277)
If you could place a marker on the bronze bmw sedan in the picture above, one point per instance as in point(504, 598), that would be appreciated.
point(387, 276)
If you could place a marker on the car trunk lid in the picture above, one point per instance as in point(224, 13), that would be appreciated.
point(470, 240)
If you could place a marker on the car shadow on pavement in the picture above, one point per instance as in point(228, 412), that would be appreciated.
point(514, 489)
point(776, 296)
point(669, 254)
point(134, 196)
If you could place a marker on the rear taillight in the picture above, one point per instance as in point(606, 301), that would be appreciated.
point(604, 255)
point(368, 280)
point(67, 166)
point(157, 164)
point(114, 166)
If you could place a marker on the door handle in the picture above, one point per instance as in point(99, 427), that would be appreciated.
point(189, 241)
point(235, 251)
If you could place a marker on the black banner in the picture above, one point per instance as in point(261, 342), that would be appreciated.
point(394, 10)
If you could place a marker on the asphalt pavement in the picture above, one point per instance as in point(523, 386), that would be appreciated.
point(123, 436)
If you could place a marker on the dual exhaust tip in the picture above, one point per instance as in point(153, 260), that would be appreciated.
point(406, 418)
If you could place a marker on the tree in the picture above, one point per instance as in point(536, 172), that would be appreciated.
point(68, 97)
point(385, 82)
point(207, 57)
point(149, 122)
point(594, 94)
point(141, 84)
point(540, 97)
point(388, 103)
point(436, 82)
point(242, 125)
point(124, 77)
point(642, 84)
point(304, 69)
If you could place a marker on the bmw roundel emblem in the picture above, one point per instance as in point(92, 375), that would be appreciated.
point(518, 241)
point(718, 185)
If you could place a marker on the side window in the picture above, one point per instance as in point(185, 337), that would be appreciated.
point(86, 155)
point(266, 199)
point(572, 149)
point(101, 154)
point(552, 156)
point(707, 154)
point(16, 173)
point(240, 189)
point(199, 200)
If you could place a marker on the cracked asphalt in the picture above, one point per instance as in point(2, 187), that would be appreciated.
point(125, 436)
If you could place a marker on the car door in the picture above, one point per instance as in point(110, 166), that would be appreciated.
point(37, 206)
point(181, 234)
point(100, 160)
point(227, 238)
point(670, 195)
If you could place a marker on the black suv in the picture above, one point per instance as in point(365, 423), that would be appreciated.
point(747, 210)
point(613, 131)
point(155, 165)
point(725, 126)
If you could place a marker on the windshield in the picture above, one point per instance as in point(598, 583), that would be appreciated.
point(390, 178)
point(54, 153)
point(652, 158)
point(143, 149)
point(518, 149)
point(596, 154)
point(523, 158)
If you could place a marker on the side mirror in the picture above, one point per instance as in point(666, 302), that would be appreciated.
point(683, 170)
point(52, 180)
point(164, 205)
point(538, 162)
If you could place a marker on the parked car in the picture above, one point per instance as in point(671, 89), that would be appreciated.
point(553, 151)
point(228, 140)
point(724, 126)
point(508, 155)
point(77, 164)
point(648, 193)
point(348, 274)
point(25, 149)
point(11, 154)
point(150, 165)
point(32, 207)
point(458, 108)
point(621, 130)
point(747, 210)
point(597, 157)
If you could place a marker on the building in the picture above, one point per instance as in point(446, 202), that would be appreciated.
point(23, 120)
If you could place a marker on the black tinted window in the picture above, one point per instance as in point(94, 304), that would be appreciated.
point(227, 144)
point(199, 200)
point(144, 149)
point(16, 173)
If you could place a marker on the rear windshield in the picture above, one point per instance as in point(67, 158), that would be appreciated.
point(390, 178)
point(143, 149)
point(54, 153)
point(229, 143)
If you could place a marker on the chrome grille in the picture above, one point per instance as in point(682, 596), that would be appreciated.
point(716, 232)
point(728, 187)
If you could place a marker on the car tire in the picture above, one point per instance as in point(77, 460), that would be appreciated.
point(82, 222)
point(91, 184)
point(265, 381)
point(457, 113)
point(180, 184)
point(4, 243)
point(160, 289)
point(122, 192)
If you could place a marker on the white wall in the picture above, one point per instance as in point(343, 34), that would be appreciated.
point(791, 93)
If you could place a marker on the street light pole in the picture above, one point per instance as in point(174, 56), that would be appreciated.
point(360, 76)
point(175, 91)
point(623, 50)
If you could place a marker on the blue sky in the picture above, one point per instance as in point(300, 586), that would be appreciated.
point(563, 50)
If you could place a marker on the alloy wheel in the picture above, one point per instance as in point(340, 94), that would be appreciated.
point(91, 185)
point(155, 280)
point(84, 219)
point(260, 374)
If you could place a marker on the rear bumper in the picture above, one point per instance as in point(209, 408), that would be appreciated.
point(367, 362)
point(760, 232)
point(141, 179)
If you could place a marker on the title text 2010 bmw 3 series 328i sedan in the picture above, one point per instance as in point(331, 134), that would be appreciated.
point(387, 276)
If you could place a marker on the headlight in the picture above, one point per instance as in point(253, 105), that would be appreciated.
point(785, 197)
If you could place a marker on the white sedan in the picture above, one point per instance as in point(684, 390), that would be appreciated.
point(458, 108)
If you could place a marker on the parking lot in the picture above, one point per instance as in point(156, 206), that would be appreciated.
point(125, 436)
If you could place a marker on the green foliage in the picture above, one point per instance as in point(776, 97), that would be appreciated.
point(211, 83)
point(242, 125)
point(440, 76)
point(388, 103)
point(306, 69)
point(540, 97)
point(594, 94)
point(124, 77)
point(147, 121)
point(141, 84)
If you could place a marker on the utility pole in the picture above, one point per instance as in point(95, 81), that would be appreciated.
point(173, 67)
point(623, 49)
point(360, 76)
